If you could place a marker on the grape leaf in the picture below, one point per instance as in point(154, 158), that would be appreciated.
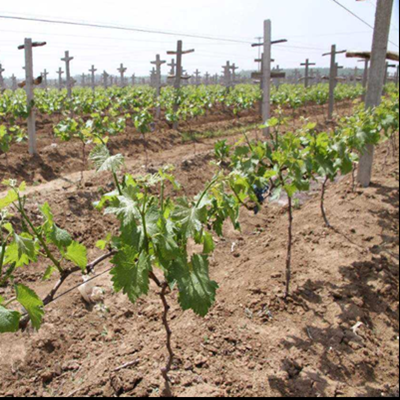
point(22, 251)
point(32, 304)
point(9, 320)
point(59, 237)
point(104, 161)
point(131, 274)
point(77, 253)
point(8, 199)
point(190, 218)
point(196, 291)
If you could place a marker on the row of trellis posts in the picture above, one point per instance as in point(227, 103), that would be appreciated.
point(266, 76)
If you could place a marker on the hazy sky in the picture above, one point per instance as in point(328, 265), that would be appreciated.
point(311, 26)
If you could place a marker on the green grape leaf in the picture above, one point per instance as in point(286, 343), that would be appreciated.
point(131, 273)
point(77, 253)
point(191, 218)
point(208, 242)
point(22, 251)
point(59, 237)
point(104, 161)
point(49, 272)
point(10, 198)
point(9, 320)
point(196, 291)
point(32, 304)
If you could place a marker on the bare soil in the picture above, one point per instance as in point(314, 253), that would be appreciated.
point(338, 335)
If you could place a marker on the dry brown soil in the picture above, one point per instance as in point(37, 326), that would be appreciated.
point(338, 335)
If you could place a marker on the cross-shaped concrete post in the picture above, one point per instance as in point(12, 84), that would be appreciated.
point(67, 59)
point(332, 79)
point(105, 79)
point(307, 64)
point(29, 83)
point(234, 68)
point(179, 75)
point(319, 77)
point(133, 79)
point(355, 78)
point(197, 75)
point(45, 74)
point(365, 72)
point(122, 71)
point(158, 63)
point(172, 72)
point(296, 76)
point(83, 80)
point(93, 71)
point(227, 74)
point(14, 84)
point(387, 73)
point(60, 73)
point(266, 71)
point(1, 77)
point(207, 78)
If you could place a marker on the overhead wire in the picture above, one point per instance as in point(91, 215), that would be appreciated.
point(359, 18)
point(121, 28)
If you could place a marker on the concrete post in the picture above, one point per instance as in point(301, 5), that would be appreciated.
point(67, 59)
point(234, 68)
point(60, 73)
point(105, 79)
point(29, 83)
point(14, 84)
point(122, 71)
point(178, 76)
point(45, 74)
point(376, 79)
point(93, 71)
point(2, 86)
point(158, 63)
point(227, 74)
point(266, 75)
point(332, 79)
point(133, 79)
point(307, 64)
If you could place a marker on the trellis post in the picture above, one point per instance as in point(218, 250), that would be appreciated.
point(93, 71)
point(83, 80)
point(14, 84)
point(227, 74)
point(133, 79)
point(45, 75)
point(376, 79)
point(307, 64)
point(105, 79)
point(60, 73)
point(158, 63)
point(178, 76)
point(365, 73)
point(197, 75)
point(207, 78)
point(234, 68)
point(266, 72)
point(67, 59)
point(172, 71)
point(332, 79)
point(29, 83)
point(122, 71)
point(1, 76)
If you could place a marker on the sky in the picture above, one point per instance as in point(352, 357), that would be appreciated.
point(311, 27)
